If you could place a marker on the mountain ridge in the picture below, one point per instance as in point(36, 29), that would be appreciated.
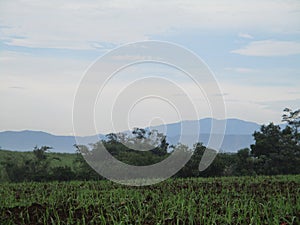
point(238, 134)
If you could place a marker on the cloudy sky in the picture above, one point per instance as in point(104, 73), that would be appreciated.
point(252, 47)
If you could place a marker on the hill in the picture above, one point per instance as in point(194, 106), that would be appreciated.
point(238, 135)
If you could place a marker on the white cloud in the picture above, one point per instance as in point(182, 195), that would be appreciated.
point(77, 24)
point(245, 35)
point(49, 83)
point(37, 92)
point(269, 48)
point(252, 103)
point(29, 67)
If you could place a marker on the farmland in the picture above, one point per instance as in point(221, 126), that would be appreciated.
point(227, 200)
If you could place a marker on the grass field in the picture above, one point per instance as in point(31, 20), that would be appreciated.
point(231, 200)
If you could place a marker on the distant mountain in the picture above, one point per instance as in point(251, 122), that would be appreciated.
point(238, 135)
point(27, 139)
point(233, 126)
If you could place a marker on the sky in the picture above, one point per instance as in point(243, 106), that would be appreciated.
point(46, 48)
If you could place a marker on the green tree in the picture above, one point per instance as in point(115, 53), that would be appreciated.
point(62, 173)
point(125, 146)
point(244, 163)
point(39, 167)
point(14, 170)
point(32, 169)
point(293, 120)
point(82, 170)
point(275, 151)
point(190, 169)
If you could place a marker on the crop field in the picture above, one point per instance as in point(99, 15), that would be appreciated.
point(230, 200)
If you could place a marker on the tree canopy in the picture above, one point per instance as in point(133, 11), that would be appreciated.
point(275, 150)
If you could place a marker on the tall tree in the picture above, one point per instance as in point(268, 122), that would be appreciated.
point(293, 120)
point(276, 151)
point(244, 163)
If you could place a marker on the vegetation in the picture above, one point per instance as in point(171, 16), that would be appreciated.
point(275, 151)
point(42, 165)
point(36, 195)
point(230, 200)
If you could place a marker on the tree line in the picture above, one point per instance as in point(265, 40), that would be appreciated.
point(275, 151)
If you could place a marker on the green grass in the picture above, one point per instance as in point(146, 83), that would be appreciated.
point(62, 159)
point(230, 200)
point(66, 159)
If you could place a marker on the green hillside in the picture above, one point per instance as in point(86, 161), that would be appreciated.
point(56, 159)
